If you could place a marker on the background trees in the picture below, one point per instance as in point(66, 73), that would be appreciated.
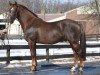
point(43, 6)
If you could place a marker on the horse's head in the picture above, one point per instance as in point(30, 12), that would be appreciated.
point(13, 11)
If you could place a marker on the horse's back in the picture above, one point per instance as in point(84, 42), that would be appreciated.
point(59, 31)
point(71, 29)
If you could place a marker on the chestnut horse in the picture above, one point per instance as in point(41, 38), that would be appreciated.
point(38, 31)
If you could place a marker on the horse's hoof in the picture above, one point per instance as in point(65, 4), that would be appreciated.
point(72, 72)
point(33, 69)
point(80, 71)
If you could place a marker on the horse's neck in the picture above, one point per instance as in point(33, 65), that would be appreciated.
point(25, 18)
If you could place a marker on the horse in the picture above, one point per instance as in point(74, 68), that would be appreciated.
point(37, 30)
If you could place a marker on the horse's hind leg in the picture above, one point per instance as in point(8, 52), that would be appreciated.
point(76, 47)
point(77, 55)
point(81, 58)
point(81, 64)
point(73, 69)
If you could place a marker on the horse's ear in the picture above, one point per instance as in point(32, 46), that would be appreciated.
point(10, 3)
point(15, 3)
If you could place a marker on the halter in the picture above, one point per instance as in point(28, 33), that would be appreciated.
point(15, 13)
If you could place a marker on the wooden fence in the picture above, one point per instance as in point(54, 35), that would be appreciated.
point(47, 56)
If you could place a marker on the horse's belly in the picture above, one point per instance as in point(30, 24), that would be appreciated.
point(50, 39)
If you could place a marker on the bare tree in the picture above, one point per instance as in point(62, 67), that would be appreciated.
point(93, 11)
point(3, 6)
point(42, 6)
point(98, 14)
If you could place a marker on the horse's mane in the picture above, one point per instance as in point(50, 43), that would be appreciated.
point(27, 9)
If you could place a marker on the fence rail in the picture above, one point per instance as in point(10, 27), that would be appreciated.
point(47, 56)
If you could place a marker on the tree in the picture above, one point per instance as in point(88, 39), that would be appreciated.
point(42, 6)
point(93, 10)
point(98, 13)
point(3, 6)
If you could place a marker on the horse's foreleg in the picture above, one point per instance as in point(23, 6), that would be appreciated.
point(32, 46)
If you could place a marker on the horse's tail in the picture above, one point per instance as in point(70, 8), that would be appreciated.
point(83, 43)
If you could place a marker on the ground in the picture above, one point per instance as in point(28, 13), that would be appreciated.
point(90, 69)
point(45, 68)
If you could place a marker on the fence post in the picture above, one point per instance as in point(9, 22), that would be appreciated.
point(8, 54)
point(47, 54)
